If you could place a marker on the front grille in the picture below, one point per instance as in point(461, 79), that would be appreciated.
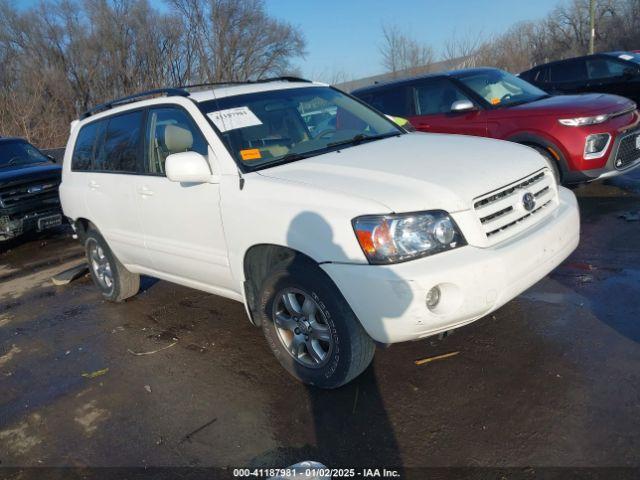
point(501, 211)
point(28, 191)
point(628, 151)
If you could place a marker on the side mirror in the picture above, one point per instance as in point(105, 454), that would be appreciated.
point(187, 167)
point(462, 106)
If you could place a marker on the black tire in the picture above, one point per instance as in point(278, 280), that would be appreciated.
point(553, 163)
point(352, 349)
point(124, 284)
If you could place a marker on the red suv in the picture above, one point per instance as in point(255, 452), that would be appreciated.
point(583, 137)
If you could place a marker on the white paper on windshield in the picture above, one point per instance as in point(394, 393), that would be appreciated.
point(233, 118)
point(624, 56)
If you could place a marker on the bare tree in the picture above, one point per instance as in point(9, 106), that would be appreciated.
point(402, 53)
point(60, 57)
point(237, 40)
point(461, 51)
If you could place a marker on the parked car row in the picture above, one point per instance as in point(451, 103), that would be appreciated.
point(336, 227)
point(582, 137)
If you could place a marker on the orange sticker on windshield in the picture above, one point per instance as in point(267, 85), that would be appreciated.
point(495, 101)
point(250, 154)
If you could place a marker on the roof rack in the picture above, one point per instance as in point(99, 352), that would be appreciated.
point(245, 82)
point(167, 92)
point(181, 92)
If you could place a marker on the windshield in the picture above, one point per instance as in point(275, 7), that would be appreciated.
point(628, 56)
point(18, 152)
point(501, 89)
point(266, 128)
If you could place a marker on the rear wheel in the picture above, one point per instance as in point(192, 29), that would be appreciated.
point(114, 281)
point(311, 329)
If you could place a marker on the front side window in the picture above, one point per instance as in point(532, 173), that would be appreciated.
point(17, 152)
point(170, 130)
point(436, 96)
point(121, 147)
point(501, 89)
point(266, 128)
point(605, 68)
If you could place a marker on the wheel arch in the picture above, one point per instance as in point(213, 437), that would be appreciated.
point(258, 261)
point(82, 226)
point(536, 140)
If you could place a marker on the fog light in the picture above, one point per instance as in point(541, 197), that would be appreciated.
point(596, 145)
point(433, 297)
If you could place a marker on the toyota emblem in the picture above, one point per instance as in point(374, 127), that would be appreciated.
point(528, 201)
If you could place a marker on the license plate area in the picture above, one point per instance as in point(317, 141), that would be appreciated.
point(49, 221)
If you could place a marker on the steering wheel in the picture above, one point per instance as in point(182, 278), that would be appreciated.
point(325, 132)
point(14, 159)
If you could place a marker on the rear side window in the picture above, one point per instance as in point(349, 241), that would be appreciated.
point(122, 143)
point(390, 102)
point(85, 148)
point(570, 71)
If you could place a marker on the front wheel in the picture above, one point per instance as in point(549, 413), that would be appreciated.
point(311, 329)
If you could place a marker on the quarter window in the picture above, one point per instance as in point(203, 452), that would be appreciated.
point(170, 130)
point(85, 148)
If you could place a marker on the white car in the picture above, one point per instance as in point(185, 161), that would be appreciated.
point(336, 240)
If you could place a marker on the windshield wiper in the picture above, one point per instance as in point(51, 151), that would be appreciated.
point(292, 157)
point(360, 137)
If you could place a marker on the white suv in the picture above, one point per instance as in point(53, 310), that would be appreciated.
point(334, 237)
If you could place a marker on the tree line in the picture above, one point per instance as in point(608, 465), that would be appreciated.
point(61, 57)
point(563, 33)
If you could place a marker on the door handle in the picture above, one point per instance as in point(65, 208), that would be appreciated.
point(93, 185)
point(144, 191)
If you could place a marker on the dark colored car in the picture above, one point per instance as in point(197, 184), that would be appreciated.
point(583, 137)
point(29, 182)
point(614, 72)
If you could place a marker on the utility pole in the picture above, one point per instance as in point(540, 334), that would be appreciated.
point(592, 17)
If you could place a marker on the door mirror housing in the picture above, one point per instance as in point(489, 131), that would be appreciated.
point(187, 167)
point(462, 106)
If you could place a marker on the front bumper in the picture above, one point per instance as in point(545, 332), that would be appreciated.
point(12, 226)
point(390, 300)
point(613, 167)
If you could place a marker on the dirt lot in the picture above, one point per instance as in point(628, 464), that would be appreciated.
point(551, 379)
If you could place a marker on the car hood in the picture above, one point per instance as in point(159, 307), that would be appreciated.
point(575, 105)
point(28, 172)
point(416, 171)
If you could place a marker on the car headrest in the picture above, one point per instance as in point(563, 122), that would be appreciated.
point(177, 139)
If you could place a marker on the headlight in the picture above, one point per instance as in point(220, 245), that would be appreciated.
point(581, 121)
point(596, 145)
point(401, 237)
